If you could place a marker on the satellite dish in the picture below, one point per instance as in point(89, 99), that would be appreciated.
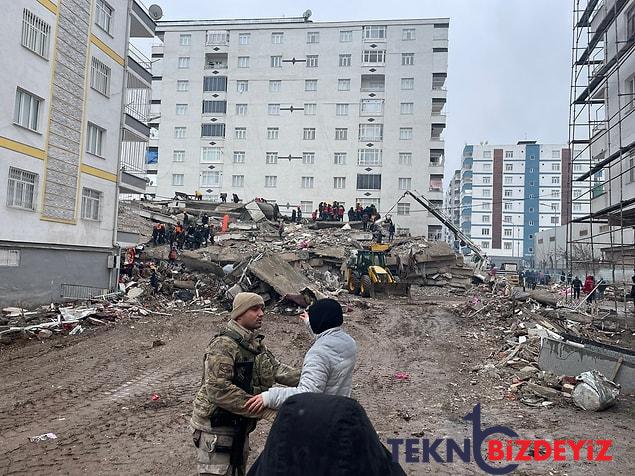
point(307, 14)
point(155, 12)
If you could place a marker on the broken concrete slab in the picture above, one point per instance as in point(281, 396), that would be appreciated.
point(254, 211)
point(184, 284)
point(199, 261)
point(134, 293)
point(279, 274)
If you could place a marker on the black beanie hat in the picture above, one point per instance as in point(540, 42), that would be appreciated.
point(325, 314)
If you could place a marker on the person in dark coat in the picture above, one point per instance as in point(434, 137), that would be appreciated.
point(317, 435)
point(293, 215)
point(577, 285)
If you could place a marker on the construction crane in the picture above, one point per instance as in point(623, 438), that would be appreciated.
point(481, 258)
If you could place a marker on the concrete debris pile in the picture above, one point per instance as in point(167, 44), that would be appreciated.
point(542, 348)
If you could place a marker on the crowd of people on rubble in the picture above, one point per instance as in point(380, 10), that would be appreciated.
point(328, 212)
point(189, 234)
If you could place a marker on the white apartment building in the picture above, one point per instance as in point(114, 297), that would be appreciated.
point(452, 205)
point(300, 112)
point(511, 192)
point(63, 87)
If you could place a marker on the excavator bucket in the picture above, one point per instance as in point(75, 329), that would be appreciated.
point(385, 284)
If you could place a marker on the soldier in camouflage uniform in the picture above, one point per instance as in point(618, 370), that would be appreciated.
point(237, 365)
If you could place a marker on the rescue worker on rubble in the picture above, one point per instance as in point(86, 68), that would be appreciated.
point(237, 365)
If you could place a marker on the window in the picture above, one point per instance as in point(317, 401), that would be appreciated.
point(312, 36)
point(339, 182)
point(507, 245)
point(485, 206)
point(507, 232)
point(531, 223)
point(630, 24)
point(95, 139)
point(485, 231)
point(182, 85)
point(211, 154)
point(508, 180)
point(407, 59)
point(405, 158)
point(507, 219)
point(275, 86)
point(403, 208)
point(308, 158)
point(100, 77)
point(346, 36)
point(555, 220)
point(271, 181)
point(405, 183)
point(214, 107)
point(215, 83)
point(487, 154)
point(241, 109)
point(239, 157)
point(485, 244)
point(554, 207)
point(271, 158)
point(310, 84)
point(339, 158)
point(507, 193)
point(243, 61)
point(185, 39)
point(21, 189)
point(178, 155)
point(408, 34)
point(368, 182)
point(509, 167)
point(91, 204)
point(405, 133)
point(345, 60)
point(306, 206)
point(240, 133)
point(371, 106)
point(555, 154)
point(555, 193)
point(374, 56)
point(555, 167)
point(184, 62)
point(311, 61)
point(371, 132)
point(179, 132)
point(307, 182)
point(243, 38)
point(27, 110)
point(555, 180)
point(486, 192)
point(310, 109)
point(487, 180)
point(341, 109)
point(276, 61)
point(308, 133)
point(369, 157)
point(343, 84)
point(216, 37)
point(374, 32)
point(36, 34)
point(210, 178)
point(103, 15)
point(407, 83)
point(577, 192)
point(487, 167)
point(181, 109)
point(242, 86)
point(341, 133)
point(273, 109)
point(577, 207)
point(10, 258)
point(276, 38)
point(273, 133)
point(509, 154)
point(407, 108)
point(238, 181)
point(212, 130)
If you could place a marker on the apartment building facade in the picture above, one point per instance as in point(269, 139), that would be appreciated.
point(452, 204)
point(300, 112)
point(64, 89)
point(511, 192)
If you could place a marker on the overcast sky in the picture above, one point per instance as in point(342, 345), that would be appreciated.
point(509, 60)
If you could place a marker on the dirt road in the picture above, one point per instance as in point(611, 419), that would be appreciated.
point(94, 392)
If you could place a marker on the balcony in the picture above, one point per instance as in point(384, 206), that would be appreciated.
point(217, 38)
point(373, 83)
point(137, 105)
point(141, 24)
point(216, 61)
point(133, 163)
point(140, 65)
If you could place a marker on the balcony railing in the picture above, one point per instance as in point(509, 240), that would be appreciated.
point(139, 57)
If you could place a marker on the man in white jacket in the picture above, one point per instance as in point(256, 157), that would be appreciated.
point(328, 365)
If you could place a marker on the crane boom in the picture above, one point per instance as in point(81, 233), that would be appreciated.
point(447, 221)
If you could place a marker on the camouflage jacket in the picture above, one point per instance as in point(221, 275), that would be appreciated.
point(217, 387)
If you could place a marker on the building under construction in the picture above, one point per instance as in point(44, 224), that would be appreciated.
point(602, 141)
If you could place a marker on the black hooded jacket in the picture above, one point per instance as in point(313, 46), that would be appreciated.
point(323, 435)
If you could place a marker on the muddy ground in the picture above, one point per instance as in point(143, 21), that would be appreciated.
point(94, 392)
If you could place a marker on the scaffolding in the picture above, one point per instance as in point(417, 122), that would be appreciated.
point(602, 144)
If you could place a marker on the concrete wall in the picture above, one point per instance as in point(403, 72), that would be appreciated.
point(41, 272)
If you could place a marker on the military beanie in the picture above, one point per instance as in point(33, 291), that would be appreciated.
point(245, 301)
point(325, 314)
